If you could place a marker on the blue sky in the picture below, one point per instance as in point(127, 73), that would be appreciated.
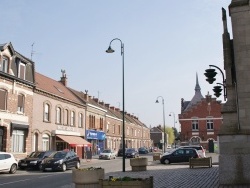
point(166, 43)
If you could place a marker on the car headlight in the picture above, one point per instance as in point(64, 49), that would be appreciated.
point(59, 162)
point(33, 162)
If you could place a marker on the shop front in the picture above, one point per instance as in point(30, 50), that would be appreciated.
point(97, 139)
point(70, 139)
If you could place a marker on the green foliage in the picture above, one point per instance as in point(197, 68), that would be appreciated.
point(171, 135)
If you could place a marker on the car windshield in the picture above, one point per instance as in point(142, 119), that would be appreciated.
point(60, 154)
point(36, 154)
point(106, 151)
point(130, 150)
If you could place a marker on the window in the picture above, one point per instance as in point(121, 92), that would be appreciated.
point(3, 99)
point(66, 117)
point(46, 112)
point(210, 124)
point(127, 130)
point(113, 129)
point(4, 65)
point(101, 123)
point(80, 121)
point(21, 71)
point(45, 141)
point(58, 115)
point(18, 141)
point(195, 125)
point(72, 122)
point(20, 105)
point(91, 122)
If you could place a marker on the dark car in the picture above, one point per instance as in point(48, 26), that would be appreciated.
point(143, 150)
point(34, 159)
point(60, 161)
point(200, 149)
point(131, 153)
point(179, 155)
point(120, 153)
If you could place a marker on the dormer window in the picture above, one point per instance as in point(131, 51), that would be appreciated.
point(4, 64)
point(21, 73)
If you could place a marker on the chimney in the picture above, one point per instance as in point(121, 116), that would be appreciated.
point(101, 103)
point(107, 105)
point(95, 99)
point(63, 78)
point(86, 96)
point(112, 108)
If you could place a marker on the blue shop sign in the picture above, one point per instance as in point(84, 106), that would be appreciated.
point(95, 135)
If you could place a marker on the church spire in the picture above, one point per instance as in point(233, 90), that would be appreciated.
point(197, 86)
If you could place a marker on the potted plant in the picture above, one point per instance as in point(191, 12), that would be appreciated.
point(84, 177)
point(139, 164)
point(126, 182)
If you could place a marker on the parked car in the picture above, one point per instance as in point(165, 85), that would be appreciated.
point(131, 153)
point(179, 155)
point(7, 163)
point(61, 160)
point(107, 154)
point(200, 149)
point(120, 153)
point(143, 150)
point(34, 159)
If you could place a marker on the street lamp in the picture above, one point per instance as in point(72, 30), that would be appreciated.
point(170, 114)
point(164, 136)
point(110, 50)
point(173, 116)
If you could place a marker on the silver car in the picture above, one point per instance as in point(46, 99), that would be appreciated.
point(107, 154)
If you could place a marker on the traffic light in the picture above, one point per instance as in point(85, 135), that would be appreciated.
point(210, 74)
point(217, 91)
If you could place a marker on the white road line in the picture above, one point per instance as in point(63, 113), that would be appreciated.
point(13, 182)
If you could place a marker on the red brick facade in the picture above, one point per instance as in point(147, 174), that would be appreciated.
point(200, 119)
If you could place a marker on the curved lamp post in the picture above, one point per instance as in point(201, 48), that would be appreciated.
point(110, 50)
point(164, 136)
point(170, 114)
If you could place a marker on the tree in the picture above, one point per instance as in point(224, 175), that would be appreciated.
point(171, 136)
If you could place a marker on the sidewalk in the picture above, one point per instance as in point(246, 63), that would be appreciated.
point(177, 175)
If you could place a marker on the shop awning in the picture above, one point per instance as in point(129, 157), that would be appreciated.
point(75, 140)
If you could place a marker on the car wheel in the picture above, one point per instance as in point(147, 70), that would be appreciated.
point(40, 167)
point(166, 161)
point(64, 167)
point(77, 165)
point(13, 169)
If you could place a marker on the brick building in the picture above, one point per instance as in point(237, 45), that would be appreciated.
point(40, 113)
point(16, 101)
point(200, 119)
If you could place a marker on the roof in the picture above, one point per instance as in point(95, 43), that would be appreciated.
point(196, 98)
point(54, 87)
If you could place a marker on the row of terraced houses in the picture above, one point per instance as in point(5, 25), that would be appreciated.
point(39, 113)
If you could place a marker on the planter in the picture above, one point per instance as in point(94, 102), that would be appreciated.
point(139, 164)
point(87, 178)
point(202, 162)
point(156, 156)
point(133, 183)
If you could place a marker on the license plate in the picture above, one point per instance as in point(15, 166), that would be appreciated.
point(48, 168)
point(23, 164)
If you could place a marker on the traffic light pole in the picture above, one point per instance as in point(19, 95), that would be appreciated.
point(210, 74)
